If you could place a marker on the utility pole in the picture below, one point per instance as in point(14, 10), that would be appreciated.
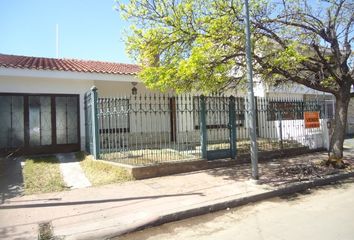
point(250, 96)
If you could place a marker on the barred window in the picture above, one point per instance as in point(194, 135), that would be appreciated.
point(114, 115)
point(329, 109)
point(291, 110)
point(285, 110)
point(217, 115)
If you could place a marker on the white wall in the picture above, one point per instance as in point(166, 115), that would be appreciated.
point(119, 89)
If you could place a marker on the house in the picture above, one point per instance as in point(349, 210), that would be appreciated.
point(300, 92)
point(42, 100)
point(43, 110)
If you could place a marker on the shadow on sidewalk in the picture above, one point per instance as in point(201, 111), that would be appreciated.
point(11, 179)
point(39, 205)
point(282, 171)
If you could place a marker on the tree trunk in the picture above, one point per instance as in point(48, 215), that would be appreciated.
point(340, 125)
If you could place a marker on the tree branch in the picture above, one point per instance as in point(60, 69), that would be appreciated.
point(298, 25)
point(340, 5)
point(293, 77)
point(326, 64)
point(271, 34)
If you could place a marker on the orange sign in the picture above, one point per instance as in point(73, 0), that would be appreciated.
point(312, 119)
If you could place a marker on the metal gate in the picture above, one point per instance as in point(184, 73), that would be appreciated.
point(218, 126)
point(91, 122)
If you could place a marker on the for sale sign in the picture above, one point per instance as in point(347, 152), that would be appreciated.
point(312, 119)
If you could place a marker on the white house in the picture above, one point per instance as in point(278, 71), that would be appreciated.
point(42, 106)
point(41, 100)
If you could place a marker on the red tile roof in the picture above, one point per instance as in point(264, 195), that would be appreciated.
point(73, 65)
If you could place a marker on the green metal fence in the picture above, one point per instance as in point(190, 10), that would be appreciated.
point(159, 128)
point(148, 129)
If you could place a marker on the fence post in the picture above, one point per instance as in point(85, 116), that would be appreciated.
point(94, 115)
point(280, 129)
point(203, 129)
point(256, 115)
point(232, 126)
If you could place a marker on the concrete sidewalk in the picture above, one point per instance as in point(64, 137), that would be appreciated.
point(103, 212)
point(71, 171)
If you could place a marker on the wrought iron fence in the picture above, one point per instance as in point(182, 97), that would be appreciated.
point(88, 122)
point(147, 129)
point(158, 128)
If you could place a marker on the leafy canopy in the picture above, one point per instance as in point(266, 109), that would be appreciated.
point(199, 45)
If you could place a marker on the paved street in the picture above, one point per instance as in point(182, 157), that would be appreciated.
point(326, 213)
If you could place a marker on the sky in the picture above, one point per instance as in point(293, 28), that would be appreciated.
point(88, 29)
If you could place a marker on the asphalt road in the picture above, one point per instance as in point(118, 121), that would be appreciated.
point(320, 214)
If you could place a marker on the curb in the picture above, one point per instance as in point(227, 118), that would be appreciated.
point(297, 187)
point(159, 220)
point(170, 168)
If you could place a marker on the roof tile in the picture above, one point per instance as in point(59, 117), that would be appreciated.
point(72, 65)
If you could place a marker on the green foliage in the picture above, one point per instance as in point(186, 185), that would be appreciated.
point(184, 45)
point(290, 58)
point(199, 45)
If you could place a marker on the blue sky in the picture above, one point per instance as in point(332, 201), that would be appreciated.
point(88, 29)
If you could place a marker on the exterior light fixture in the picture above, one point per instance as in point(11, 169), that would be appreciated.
point(134, 89)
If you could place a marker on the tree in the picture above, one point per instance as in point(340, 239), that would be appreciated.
point(200, 45)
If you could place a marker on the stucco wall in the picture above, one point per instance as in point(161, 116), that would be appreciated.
point(119, 89)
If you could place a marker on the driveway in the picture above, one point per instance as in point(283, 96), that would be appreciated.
point(11, 179)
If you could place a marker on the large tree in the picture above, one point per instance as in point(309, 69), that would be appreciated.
point(200, 45)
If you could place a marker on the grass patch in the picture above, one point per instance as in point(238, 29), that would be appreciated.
point(100, 173)
point(42, 175)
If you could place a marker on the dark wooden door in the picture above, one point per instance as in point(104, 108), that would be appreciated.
point(39, 123)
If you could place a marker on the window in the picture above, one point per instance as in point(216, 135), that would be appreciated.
point(291, 110)
point(322, 102)
point(114, 115)
point(285, 110)
point(12, 124)
point(66, 108)
point(217, 112)
point(329, 109)
point(240, 111)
